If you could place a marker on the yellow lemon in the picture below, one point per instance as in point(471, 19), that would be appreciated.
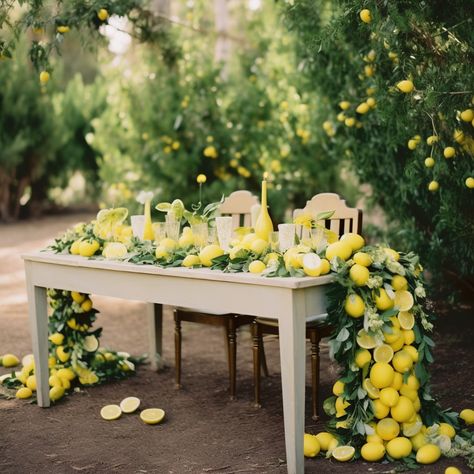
point(9, 360)
point(365, 340)
point(433, 186)
point(392, 337)
point(129, 404)
point(355, 241)
point(74, 249)
point(412, 144)
point(208, 253)
point(338, 388)
point(54, 381)
point(354, 306)
point(389, 397)
point(383, 353)
point(397, 381)
point(429, 162)
point(44, 77)
point(382, 300)
point(431, 140)
point(395, 322)
point(402, 361)
point(372, 391)
point(406, 320)
point(66, 374)
point(168, 244)
point(161, 252)
point(88, 248)
point(23, 393)
point(62, 355)
point(62, 29)
point(412, 382)
point(406, 86)
point(365, 15)
point(311, 446)
point(152, 416)
point(56, 392)
point(362, 258)
point(257, 266)
point(467, 415)
point(398, 344)
point(312, 264)
point(380, 409)
point(428, 454)
point(408, 392)
point(341, 406)
point(248, 240)
point(452, 470)
point(338, 249)
point(362, 357)
point(344, 105)
point(343, 453)
point(191, 261)
point(403, 410)
point(363, 108)
point(102, 14)
point(470, 182)
point(447, 429)
point(374, 438)
point(408, 336)
point(325, 439)
point(467, 115)
point(387, 429)
point(110, 412)
point(258, 246)
point(359, 274)
point(372, 451)
point(51, 362)
point(393, 254)
point(325, 266)
point(399, 448)
point(381, 375)
point(187, 239)
point(449, 152)
point(418, 440)
point(86, 305)
point(77, 297)
point(399, 283)
point(31, 383)
point(403, 300)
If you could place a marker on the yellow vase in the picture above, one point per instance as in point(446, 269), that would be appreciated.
point(148, 233)
point(264, 224)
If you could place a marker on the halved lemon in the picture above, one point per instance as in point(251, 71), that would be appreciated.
point(403, 300)
point(368, 386)
point(110, 412)
point(152, 416)
point(129, 404)
point(312, 264)
point(365, 340)
point(343, 453)
point(383, 353)
point(406, 320)
point(91, 343)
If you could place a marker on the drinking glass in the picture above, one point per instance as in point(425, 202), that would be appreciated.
point(138, 225)
point(201, 234)
point(212, 236)
point(286, 236)
point(159, 229)
point(172, 226)
point(274, 240)
point(224, 231)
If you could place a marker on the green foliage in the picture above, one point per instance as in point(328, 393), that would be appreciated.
point(346, 59)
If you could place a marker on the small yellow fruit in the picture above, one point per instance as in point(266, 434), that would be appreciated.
point(257, 266)
point(467, 415)
point(381, 375)
point(470, 182)
point(447, 429)
point(325, 439)
point(372, 391)
point(418, 441)
point(393, 254)
point(258, 246)
point(433, 186)
point(399, 448)
point(380, 409)
point(311, 446)
point(449, 152)
point(44, 77)
point(62, 355)
point(399, 283)
point(406, 320)
point(429, 162)
point(365, 340)
point(23, 393)
point(458, 136)
point(191, 261)
point(86, 305)
point(428, 454)
point(359, 274)
point(325, 266)
point(110, 412)
point(403, 410)
point(362, 357)
point(365, 15)
point(362, 108)
point(10, 360)
point(350, 122)
point(412, 144)
point(340, 249)
point(452, 470)
point(467, 115)
point(88, 248)
point(412, 351)
point(74, 249)
point(31, 383)
point(102, 14)
point(354, 306)
point(56, 392)
point(392, 337)
point(402, 361)
point(355, 241)
point(431, 140)
point(344, 105)
point(77, 297)
point(406, 86)
point(66, 374)
point(383, 353)
point(372, 451)
point(389, 397)
point(63, 29)
point(382, 300)
point(374, 438)
point(408, 336)
point(129, 404)
point(161, 252)
point(338, 388)
point(343, 453)
point(208, 253)
point(387, 429)
point(152, 416)
point(362, 258)
point(371, 102)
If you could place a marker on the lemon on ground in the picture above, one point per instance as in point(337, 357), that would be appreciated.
point(258, 246)
point(406, 319)
point(257, 266)
point(208, 253)
point(418, 440)
point(403, 300)
point(383, 353)
point(382, 300)
point(312, 264)
point(152, 416)
point(129, 404)
point(86, 305)
point(57, 338)
point(191, 261)
point(467, 415)
point(372, 451)
point(412, 351)
point(399, 448)
point(359, 274)
point(374, 438)
point(403, 410)
point(54, 381)
point(411, 429)
point(354, 305)
point(31, 383)
point(62, 355)
point(428, 454)
point(343, 453)
point(389, 396)
point(371, 390)
point(387, 429)
point(56, 392)
point(402, 361)
point(452, 470)
point(408, 336)
point(365, 340)
point(355, 241)
point(391, 337)
point(77, 297)
point(362, 357)
point(380, 409)
point(399, 283)
point(311, 446)
point(87, 248)
point(338, 388)
point(397, 381)
point(405, 86)
point(9, 360)
point(338, 249)
point(362, 258)
point(408, 392)
point(325, 439)
point(110, 412)
point(66, 374)
point(447, 429)
point(381, 375)
point(23, 393)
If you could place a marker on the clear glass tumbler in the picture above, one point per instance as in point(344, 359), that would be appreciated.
point(286, 236)
point(224, 231)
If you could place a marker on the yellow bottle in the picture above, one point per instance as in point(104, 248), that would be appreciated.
point(148, 233)
point(264, 224)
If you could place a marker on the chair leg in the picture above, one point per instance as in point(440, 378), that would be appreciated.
point(263, 359)
point(315, 366)
point(177, 349)
point(257, 343)
point(232, 357)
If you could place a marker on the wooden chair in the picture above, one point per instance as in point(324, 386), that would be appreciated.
point(239, 205)
point(344, 220)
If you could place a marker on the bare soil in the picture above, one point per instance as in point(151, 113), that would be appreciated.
point(204, 432)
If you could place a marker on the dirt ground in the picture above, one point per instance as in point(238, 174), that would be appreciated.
point(204, 432)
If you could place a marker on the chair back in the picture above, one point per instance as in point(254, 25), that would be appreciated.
point(241, 205)
point(345, 219)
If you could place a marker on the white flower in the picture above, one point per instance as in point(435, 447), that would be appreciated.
point(144, 196)
point(395, 267)
point(420, 291)
point(114, 251)
point(375, 282)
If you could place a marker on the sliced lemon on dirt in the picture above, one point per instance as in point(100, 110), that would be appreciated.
point(383, 353)
point(110, 412)
point(365, 340)
point(343, 453)
point(129, 404)
point(369, 387)
point(403, 300)
point(152, 416)
point(406, 319)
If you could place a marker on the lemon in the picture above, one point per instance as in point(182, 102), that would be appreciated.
point(102, 14)
point(56, 392)
point(429, 162)
point(372, 451)
point(114, 250)
point(371, 102)
point(447, 429)
point(412, 382)
point(467, 115)
point(412, 429)
point(168, 244)
point(129, 404)
point(433, 186)
point(344, 105)
point(383, 353)
point(381, 375)
point(359, 274)
point(152, 416)
point(399, 283)
point(389, 397)
point(467, 415)
point(311, 446)
point(31, 383)
point(187, 239)
point(77, 297)
point(66, 374)
point(452, 470)
point(10, 360)
point(91, 343)
point(86, 305)
point(110, 412)
point(248, 240)
point(371, 390)
point(341, 406)
point(293, 258)
point(65, 384)
point(387, 429)
point(428, 454)
point(458, 136)
point(44, 77)
point(355, 241)
point(208, 253)
point(403, 410)
point(354, 306)
point(22, 377)
point(362, 258)
point(408, 392)
point(403, 300)
point(382, 300)
point(325, 266)
point(417, 404)
point(338, 249)
point(343, 453)
point(325, 439)
point(23, 393)
point(362, 108)
point(88, 248)
point(312, 264)
point(393, 254)
point(406, 320)
point(392, 337)
point(338, 388)
point(365, 15)
point(405, 86)
point(395, 322)
point(374, 438)
point(271, 258)
point(161, 252)
point(469, 182)
point(54, 380)
point(418, 440)
point(62, 355)
point(51, 362)
point(365, 340)
point(191, 261)
point(399, 448)
point(431, 140)
point(449, 152)
point(257, 266)
point(362, 357)
point(398, 344)
point(258, 246)
point(402, 361)
point(62, 29)
point(408, 336)
point(412, 144)
point(380, 409)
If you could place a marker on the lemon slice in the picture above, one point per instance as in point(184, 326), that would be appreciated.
point(110, 412)
point(129, 404)
point(312, 264)
point(406, 320)
point(403, 300)
point(152, 416)
point(365, 340)
point(383, 353)
point(91, 343)
point(368, 386)
point(343, 453)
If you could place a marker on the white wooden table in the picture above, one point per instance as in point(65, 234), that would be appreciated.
point(289, 300)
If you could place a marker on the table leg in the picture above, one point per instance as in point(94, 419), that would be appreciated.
point(38, 314)
point(155, 335)
point(292, 358)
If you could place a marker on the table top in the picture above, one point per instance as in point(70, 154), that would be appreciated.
point(181, 272)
